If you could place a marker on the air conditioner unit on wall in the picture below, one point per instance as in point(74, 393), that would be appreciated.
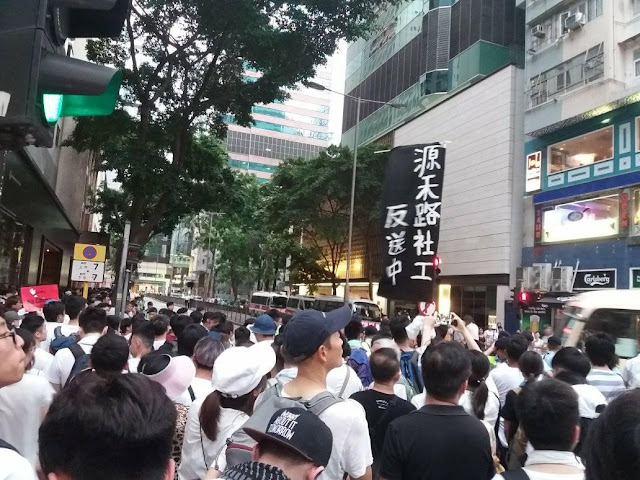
point(540, 277)
point(562, 279)
point(538, 31)
point(520, 278)
point(574, 22)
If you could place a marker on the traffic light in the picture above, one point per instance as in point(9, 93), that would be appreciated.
point(37, 77)
point(526, 299)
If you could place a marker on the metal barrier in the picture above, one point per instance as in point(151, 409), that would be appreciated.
point(236, 315)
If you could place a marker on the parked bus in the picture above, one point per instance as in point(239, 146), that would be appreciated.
point(262, 302)
point(616, 312)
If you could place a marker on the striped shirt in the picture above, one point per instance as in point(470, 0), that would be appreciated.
point(609, 383)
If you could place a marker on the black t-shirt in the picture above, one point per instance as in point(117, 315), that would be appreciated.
point(437, 442)
point(375, 405)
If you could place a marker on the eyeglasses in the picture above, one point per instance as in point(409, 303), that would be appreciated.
point(10, 333)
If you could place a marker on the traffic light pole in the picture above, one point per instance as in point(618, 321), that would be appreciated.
point(121, 297)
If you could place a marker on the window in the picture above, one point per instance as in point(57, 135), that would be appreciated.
point(592, 218)
point(580, 151)
point(636, 60)
point(553, 27)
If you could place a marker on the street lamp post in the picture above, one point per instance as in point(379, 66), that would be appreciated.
point(359, 101)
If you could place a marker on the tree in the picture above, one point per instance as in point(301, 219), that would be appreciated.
point(312, 197)
point(184, 63)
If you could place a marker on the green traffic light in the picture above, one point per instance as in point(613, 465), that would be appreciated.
point(93, 105)
point(52, 106)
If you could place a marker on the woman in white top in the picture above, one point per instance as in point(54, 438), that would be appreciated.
point(238, 379)
point(478, 400)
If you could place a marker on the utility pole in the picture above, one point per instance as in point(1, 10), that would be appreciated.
point(121, 297)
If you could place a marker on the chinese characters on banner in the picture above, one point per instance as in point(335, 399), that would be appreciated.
point(411, 197)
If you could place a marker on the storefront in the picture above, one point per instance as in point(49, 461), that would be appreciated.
point(584, 207)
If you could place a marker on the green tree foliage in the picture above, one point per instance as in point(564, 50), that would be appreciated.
point(312, 198)
point(184, 63)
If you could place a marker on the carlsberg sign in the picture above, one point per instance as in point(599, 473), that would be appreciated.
point(595, 279)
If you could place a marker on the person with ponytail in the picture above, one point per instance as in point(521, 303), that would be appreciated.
point(238, 378)
point(531, 367)
point(478, 401)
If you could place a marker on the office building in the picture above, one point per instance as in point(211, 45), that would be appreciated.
point(295, 127)
point(457, 68)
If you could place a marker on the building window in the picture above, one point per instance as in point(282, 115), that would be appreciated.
point(592, 218)
point(548, 31)
point(580, 151)
point(636, 60)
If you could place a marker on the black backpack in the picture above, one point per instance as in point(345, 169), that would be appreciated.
point(82, 361)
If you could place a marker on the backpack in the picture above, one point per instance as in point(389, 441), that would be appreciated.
point(82, 361)
point(518, 474)
point(409, 369)
point(359, 361)
point(61, 341)
point(240, 445)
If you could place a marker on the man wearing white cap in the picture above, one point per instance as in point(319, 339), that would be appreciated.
point(238, 378)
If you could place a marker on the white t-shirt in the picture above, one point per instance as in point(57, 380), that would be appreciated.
point(51, 327)
point(491, 408)
point(351, 451)
point(506, 378)
point(631, 372)
point(551, 457)
point(589, 398)
point(192, 463)
point(133, 364)
point(474, 331)
point(201, 387)
point(419, 400)
point(63, 360)
point(158, 343)
point(15, 467)
point(22, 407)
point(336, 381)
point(42, 360)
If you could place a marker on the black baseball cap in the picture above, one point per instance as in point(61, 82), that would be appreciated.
point(298, 430)
point(308, 329)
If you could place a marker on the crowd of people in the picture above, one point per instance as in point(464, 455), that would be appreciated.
point(173, 393)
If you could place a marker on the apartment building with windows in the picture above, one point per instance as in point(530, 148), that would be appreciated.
point(582, 150)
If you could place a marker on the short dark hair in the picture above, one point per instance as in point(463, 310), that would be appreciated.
point(549, 414)
point(182, 310)
point(189, 337)
point(32, 322)
point(600, 348)
point(530, 364)
point(125, 323)
point(196, 316)
point(225, 327)
point(398, 328)
point(152, 310)
point(106, 427)
point(613, 443)
point(110, 354)
point(11, 301)
point(93, 320)
point(502, 343)
point(273, 313)
point(27, 338)
point(573, 360)
point(178, 323)
point(353, 329)
point(370, 331)
point(146, 332)
point(445, 367)
point(113, 322)
point(517, 345)
point(384, 364)
point(242, 335)
point(160, 324)
point(74, 305)
point(169, 304)
point(52, 310)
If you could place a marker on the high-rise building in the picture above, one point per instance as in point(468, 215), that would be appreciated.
point(582, 123)
point(456, 66)
point(295, 127)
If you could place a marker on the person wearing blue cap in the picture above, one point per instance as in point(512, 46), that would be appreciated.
point(312, 342)
point(264, 328)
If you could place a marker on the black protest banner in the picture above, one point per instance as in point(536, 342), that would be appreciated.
point(411, 199)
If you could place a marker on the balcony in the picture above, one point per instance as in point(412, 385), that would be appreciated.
point(537, 8)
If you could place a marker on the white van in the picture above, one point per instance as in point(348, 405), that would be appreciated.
point(262, 302)
point(296, 303)
point(360, 306)
point(616, 312)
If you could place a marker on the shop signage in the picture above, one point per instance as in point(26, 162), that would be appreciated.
point(534, 167)
point(634, 281)
point(411, 199)
point(538, 226)
point(595, 279)
point(624, 211)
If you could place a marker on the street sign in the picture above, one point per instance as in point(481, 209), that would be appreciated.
point(89, 252)
point(83, 271)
